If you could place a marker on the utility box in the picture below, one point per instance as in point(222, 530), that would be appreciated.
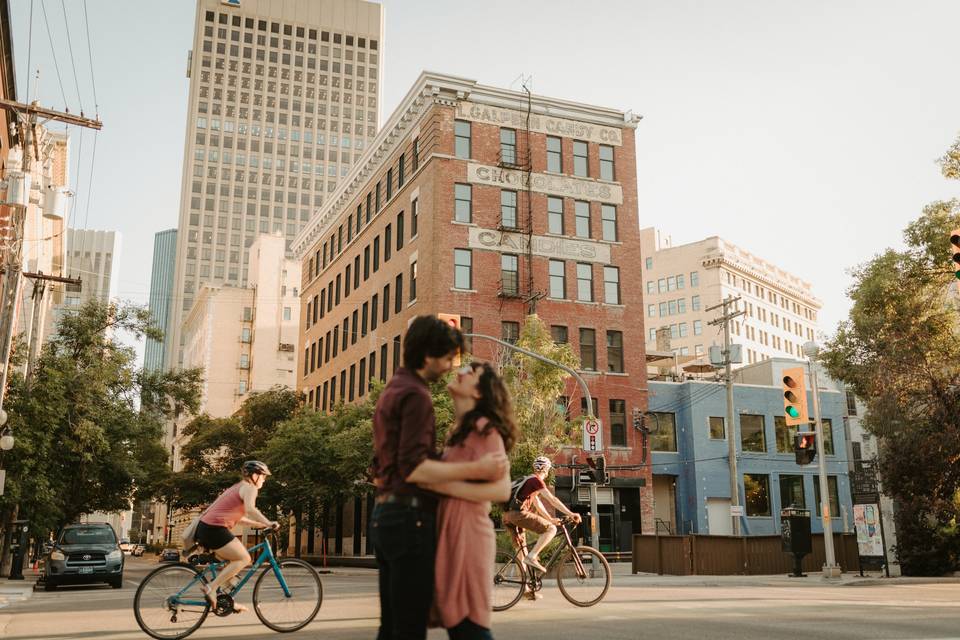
point(795, 535)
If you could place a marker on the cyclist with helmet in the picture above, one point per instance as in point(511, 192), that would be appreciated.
point(528, 511)
point(236, 505)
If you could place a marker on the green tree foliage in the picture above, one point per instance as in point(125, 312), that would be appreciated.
point(900, 351)
point(82, 442)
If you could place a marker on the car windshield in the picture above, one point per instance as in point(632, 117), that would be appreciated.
point(88, 535)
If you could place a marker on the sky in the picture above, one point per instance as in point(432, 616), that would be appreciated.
point(805, 132)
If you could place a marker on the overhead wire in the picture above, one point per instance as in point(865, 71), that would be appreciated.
point(73, 62)
point(29, 52)
point(93, 79)
point(53, 52)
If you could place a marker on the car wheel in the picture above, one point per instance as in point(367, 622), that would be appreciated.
point(117, 583)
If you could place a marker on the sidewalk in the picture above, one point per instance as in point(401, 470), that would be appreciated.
point(16, 590)
point(622, 574)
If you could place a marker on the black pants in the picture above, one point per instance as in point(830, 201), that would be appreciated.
point(405, 542)
point(469, 630)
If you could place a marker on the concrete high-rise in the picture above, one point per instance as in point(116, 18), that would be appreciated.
point(161, 292)
point(94, 257)
point(284, 98)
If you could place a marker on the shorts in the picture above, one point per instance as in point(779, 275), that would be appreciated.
point(527, 520)
point(213, 537)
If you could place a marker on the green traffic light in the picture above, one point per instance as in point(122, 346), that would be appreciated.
point(793, 412)
point(957, 273)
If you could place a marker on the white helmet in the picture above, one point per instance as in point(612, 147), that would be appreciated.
point(542, 463)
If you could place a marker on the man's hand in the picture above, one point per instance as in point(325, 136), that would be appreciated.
point(576, 517)
point(492, 466)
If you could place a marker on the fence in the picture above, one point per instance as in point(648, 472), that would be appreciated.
point(729, 555)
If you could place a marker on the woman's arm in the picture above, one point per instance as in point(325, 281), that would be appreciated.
point(497, 491)
point(249, 494)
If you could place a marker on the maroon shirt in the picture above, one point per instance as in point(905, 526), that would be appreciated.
point(404, 434)
point(531, 487)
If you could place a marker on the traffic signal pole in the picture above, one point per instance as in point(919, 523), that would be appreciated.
point(830, 567)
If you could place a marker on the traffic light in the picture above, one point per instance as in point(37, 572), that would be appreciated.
point(955, 251)
point(638, 420)
point(805, 447)
point(453, 319)
point(597, 469)
point(795, 397)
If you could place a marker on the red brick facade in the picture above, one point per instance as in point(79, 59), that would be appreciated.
point(429, 177)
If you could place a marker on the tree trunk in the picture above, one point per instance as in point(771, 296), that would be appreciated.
point(5, 560)
point(312, 530)
point(298, 532)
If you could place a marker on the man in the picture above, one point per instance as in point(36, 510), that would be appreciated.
point(531, 514)
point(404, 455)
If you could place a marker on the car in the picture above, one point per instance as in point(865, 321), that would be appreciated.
point(170, 555)
point(84, 554)
point(137, 550)
point(125, 546)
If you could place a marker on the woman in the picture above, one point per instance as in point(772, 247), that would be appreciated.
point(236, 505)
point(466, 542)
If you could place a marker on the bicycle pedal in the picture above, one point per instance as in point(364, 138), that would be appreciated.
point(224, 605)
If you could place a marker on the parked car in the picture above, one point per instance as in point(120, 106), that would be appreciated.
point(84, 554)
point(170, 555)
point(125, 546)
point(137, 550)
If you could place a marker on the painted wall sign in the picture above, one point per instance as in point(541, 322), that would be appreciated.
point(546, 246)
point(550, 184)
point(540, 123)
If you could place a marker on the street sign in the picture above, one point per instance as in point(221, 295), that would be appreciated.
point(736, 511)
point(592, 434)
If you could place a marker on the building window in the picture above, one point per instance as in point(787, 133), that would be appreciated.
point(648, 263)
point(665, 439)
point(413, 281)
point(791, 492)
point(752, 435)
point(606, 163)
point(717, 430)
point(416, 154)
point(695, 303)
point(611, 285)
point(650, 287)
point(580, 165)
point(608, 218)
point(386, 303)
point(834, 496)
point(508, 146)
point(508, 209)
point(827, 428)
point(615, 351)
point(245, 334)
point(244, 361)
point(461, 132)
point(509, 275)
point(383, 363)
point(694, 278)
point(462, 269)
point(558, 279)
point(362, 381)
point(400, 230)
point(414, 213)
point(618, 423)
point(374, 313)
point(588, 349)
point(554, 154)
point(784, 434)
point(851, 404)
point(697, 327)
point(581, 227)
point(756, 490)
point(584, 282)
point(398, 294)
point(466, 326)
point(286, 313)
point(559, 334)
point(510, 331)
point(387, 243)
point(462, 203)
point(555, 215)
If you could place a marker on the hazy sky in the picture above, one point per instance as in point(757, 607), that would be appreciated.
point(827, 114)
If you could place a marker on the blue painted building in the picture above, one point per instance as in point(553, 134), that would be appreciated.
point(690, 470)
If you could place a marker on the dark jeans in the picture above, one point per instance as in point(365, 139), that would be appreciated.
point(405, 542)
point(469, 630)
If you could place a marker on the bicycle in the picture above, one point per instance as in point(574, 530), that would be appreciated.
point(170, 604)
point(583, 575)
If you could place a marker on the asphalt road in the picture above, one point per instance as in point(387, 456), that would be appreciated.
point(633, 609)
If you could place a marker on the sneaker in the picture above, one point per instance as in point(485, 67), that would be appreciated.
point(532, 595)
point(530, 561)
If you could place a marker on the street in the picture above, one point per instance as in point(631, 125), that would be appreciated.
point(636, 607)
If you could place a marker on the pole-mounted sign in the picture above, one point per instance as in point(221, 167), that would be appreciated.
point(592, 434)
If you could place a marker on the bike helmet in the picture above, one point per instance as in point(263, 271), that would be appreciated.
point(251, 467)
point(542, 463)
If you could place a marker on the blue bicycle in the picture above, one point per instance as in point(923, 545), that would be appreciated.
point(170, 603)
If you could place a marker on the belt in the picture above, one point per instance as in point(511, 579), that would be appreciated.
point(415, 502)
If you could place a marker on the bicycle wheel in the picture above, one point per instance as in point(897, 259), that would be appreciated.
point(588, 587)
point(282, 612)
point(508, 581)
point(169, 603)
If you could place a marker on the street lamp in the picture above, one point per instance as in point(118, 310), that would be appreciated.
point(830, 568)
point(6, 439)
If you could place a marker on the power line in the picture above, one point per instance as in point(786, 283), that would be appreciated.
point(76, 80)
point(93, 80)
point(93, 159)
point(29, 50)
point(53, 51)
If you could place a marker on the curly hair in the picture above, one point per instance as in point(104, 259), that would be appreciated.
point(494, 405)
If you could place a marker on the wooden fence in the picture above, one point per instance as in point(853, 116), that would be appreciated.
point(729, 555)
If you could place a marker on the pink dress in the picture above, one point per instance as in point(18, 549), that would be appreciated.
point(466, 544)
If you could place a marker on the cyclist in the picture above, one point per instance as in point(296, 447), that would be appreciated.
point(236, 505)
point(529, 512)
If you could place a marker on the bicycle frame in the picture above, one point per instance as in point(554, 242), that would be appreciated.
point(265, 555)
point(557, 553)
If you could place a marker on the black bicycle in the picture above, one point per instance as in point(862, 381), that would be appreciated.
point(582, 573)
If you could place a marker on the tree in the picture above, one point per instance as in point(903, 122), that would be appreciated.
point(899, 350)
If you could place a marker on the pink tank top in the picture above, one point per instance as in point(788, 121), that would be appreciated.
point(226, 510)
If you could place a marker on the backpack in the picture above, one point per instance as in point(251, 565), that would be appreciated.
point(513, 504)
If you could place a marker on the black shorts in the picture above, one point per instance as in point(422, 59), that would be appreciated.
point(212, 537)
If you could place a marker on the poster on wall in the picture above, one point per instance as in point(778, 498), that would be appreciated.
point(866, 518)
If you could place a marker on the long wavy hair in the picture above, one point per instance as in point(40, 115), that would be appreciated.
point(494, 404)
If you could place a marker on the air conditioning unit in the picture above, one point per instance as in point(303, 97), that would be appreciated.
point(286, 346)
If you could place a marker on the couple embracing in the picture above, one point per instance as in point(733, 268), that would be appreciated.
point(431, 529)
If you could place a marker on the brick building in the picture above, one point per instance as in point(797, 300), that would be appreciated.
point(485, 203)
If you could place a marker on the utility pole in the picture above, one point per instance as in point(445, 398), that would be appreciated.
point(725, 320)
point(33, 330)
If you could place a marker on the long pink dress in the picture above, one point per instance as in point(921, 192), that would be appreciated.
point(466, 544)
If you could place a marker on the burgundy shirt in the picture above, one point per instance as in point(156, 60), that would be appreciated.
point(404, 435)
point(531, 487)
